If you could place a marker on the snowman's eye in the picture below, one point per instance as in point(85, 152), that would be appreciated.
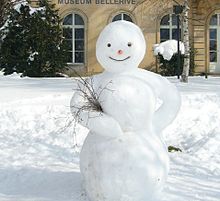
point(109, 45)
point(129, 44)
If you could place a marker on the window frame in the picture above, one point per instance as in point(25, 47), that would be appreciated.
point(122, 13)
point(170, 27)
point(215, 27)
point(73, 27)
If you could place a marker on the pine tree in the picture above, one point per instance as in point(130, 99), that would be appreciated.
point(32, 41)
point(2, 12)
point(5, 6)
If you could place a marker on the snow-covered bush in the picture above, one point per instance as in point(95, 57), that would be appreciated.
point(5, 6)
point(169, 68)
point(32, 42)
point(168, 48)
point(166, 53)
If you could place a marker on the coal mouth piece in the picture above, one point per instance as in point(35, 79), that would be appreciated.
point(120, 59)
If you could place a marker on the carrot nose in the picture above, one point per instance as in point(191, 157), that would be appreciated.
point(120, 52)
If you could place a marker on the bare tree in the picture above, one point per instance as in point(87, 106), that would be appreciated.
point(185, 24)
point(160, 5)
point(155, 7)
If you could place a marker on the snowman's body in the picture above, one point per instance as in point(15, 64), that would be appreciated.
point(123, 157)
point(128, 168)
point(131, 167)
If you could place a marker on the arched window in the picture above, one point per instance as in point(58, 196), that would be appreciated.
point(214, 43)
point(74, 34)
point(213, 33)
point(168, 27)
point(122, 16)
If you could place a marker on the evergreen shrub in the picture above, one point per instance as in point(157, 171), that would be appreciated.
point(169, 68)
point(32, 42)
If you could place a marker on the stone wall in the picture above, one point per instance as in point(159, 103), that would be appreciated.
point(146, 14)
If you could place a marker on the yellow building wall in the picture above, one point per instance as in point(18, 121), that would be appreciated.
point(146, 14)
point(202, 11)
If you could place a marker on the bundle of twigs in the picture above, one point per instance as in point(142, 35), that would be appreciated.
point(91, 98)
point(85, 87)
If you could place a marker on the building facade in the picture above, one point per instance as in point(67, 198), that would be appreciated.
point(83, 21)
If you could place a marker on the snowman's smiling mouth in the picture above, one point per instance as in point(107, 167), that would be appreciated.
point(120, 59)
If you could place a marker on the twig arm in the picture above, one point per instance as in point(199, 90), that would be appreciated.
point(96, 121)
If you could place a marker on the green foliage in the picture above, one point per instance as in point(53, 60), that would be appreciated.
point(174, 149)
point(169, 68)
point(32, 42)
point(5, 6)
point(2, 12)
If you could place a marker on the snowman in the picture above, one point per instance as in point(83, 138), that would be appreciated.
point(124, 157)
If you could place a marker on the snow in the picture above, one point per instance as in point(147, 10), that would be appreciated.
point(130, 124)
point(4, 29)
point(131, 41)
point(18, 5)
point(31, 57)
point(39, 161)
point(37, 155)
point(168, 48)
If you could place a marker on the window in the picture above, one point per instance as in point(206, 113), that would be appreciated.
point(168, 28)
point(74, 34)
point(122, 16)
point(214, 30)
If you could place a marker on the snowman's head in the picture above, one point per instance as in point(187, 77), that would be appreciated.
point(120, 47)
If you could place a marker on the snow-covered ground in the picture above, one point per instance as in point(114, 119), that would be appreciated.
point(39, 157)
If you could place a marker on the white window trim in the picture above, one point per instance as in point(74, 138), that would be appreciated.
point(216, 27)
point(122, 16)
point(170, 26)
point(73, 27)
point(218, 21)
